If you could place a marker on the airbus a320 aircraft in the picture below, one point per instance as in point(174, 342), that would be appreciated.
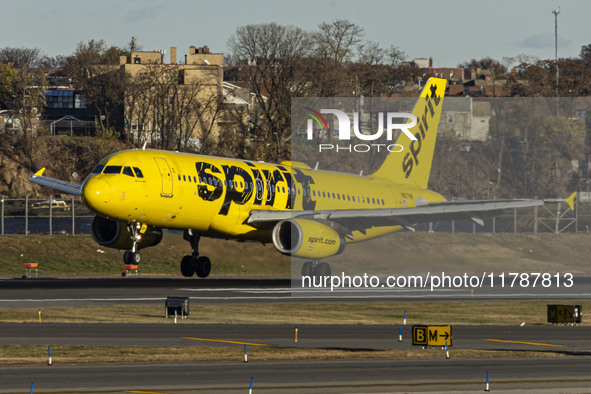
point(305, 213)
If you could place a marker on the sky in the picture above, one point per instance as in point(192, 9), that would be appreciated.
point(450, 31)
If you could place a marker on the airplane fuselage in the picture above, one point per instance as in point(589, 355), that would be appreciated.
point(214, 196)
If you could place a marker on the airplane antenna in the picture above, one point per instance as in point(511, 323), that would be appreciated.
point(316, 166)
point(145, 143)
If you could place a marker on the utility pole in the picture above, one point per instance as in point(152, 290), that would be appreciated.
point(556, 12)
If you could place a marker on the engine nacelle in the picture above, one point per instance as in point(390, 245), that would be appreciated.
point(307, 239)
point(114, 234)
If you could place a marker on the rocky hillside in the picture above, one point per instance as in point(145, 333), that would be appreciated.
point(65, 158)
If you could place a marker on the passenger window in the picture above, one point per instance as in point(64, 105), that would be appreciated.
point(383, 202)
point(127, 171)
point(194, 179)
point(98, 169)
point(184, 179)
point(179, 177)
point(112, 170)
point(138, 172)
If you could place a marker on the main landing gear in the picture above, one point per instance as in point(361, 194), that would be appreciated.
point(314, 268)
point(194, 264)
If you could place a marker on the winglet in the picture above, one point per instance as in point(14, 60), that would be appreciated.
point(40, 172)
point(571, 201)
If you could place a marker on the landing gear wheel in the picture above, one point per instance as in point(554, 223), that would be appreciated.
point(308, 269)
point(203, 267)
point(188, 266)
point(135, 258)
point(131, 258)
point(200, 265)
point(323, 270)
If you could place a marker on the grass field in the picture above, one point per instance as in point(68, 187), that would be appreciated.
point(35, 354)
point(400, 253)
point(449, 312)
point(455, 313)
point(80, 256)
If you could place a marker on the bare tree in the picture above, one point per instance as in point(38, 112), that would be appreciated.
point(335, 44)
point(94, 68)
point(338, 40)
point(181, 104)
point(24, 58)
point(21, 85)
point(274, 60)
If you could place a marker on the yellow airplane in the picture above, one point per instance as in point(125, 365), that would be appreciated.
point(305, 213)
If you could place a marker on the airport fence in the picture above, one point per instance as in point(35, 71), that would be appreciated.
point(50, 216)
point(56, 216)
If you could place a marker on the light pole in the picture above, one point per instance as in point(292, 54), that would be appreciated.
point(556, 12)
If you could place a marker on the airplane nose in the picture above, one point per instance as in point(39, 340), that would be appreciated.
point(96, 194)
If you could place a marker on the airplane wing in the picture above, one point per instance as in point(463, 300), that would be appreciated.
point(361, 219)
point(57, 184)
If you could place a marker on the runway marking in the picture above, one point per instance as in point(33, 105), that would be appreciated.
point(143, 392)
point(222, 341)
point(524, 343)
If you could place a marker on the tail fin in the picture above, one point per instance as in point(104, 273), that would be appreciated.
point(413, 163)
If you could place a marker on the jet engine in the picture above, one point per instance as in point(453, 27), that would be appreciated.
point(114, 234)
point(307, 239)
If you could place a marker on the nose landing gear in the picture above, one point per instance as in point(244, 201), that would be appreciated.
point(133, 256)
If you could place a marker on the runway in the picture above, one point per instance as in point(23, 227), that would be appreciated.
point(567, 371)
point(564, 340)
point(71, 292)
point(311, 376)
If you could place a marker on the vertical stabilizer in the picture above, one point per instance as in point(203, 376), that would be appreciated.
point(413, 163)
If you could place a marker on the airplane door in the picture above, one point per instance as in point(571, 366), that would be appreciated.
point(166, 175)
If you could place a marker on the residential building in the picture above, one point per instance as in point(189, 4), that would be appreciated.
point(185, 102)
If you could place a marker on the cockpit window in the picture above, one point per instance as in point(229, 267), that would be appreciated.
point(98, 169)
point(112, 170)
point(138, 172)
point(127, 171)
